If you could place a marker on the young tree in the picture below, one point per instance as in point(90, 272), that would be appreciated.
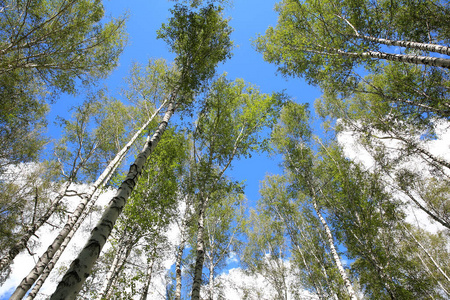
point(310, 262)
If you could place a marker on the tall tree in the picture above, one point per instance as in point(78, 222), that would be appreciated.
point(201, 40)
point(229, 126)
point(293, 138)
point(83, 162)
point(151, 208)
point(223, 227)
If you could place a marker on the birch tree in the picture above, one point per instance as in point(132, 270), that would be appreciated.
point(229, 126)
point(266, 253)
point(360, 204)
point(293, 137)
point(224, 229)
point(397, 136)
point(26, 193)
point(152, 207)
point(181, 32)
point(84, 159)
point(71, 164)
point(325, 41)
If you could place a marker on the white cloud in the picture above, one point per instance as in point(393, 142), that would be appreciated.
point(233, 258)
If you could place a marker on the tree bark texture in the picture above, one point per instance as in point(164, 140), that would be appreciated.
point(80, 268)
point(404, 58)
point(198, 272)
point(148, 280)
point(334, 253)
point(406, 44)
point(179, 259)
point(33, 293)
point(45, 259)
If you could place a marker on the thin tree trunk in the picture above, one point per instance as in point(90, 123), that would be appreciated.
point(334, 253)
point(45, 259)
point(294, 241)
point(428, 255)
point(144, 294)
point(179, 259)
point(211, 281)
point(22, 244)
point(80, 268)
point(113, 270)
point(58, 254)
point(405, 58)
point(406, 44)
point(432, 275)
point(413, 45)
point(427, 211)
point(124, 249)
point(198, 271)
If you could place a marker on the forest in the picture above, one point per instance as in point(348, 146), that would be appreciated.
point(137, 191)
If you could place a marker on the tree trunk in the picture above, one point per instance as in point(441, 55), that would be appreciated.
point(123, 251)
point(412, 45)
point(45, 259)
point(178, 268)
point(198, 271)
point(404, 58)
point(80, 268)
point(148, 280)
point(211, 281)
point(112, 272)
point(428, 254)
point(334, 253)
point(58, 254)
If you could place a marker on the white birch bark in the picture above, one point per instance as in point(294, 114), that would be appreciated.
point(122, 253)
point(404, 58)
point(211, 282)
point(111, 272)
point(148, 280)
point(179, 258)
point(405, 44)
point(317, 285)
point(33, 293)
point(45, 259)
point(334, 253)
point(80, 268)
point(428, 255)
point(198, 271)
point(200, 253)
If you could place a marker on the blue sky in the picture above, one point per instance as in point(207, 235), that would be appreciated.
point(248, 19)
